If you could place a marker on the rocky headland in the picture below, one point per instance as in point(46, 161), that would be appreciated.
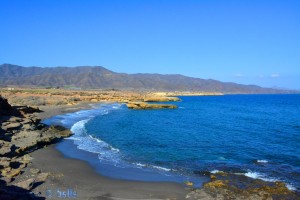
point(144, 105)
point(57, 97)
point(147, 106)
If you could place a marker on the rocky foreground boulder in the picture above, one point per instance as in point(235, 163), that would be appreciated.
point(22, 132)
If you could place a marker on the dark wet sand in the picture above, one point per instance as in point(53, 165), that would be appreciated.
point(77, 175)
point(50, 111)
point(80, 177)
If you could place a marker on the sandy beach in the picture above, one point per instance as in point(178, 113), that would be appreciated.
point(70, 174)
point(77, 176)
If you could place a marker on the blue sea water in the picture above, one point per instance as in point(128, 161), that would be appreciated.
point(254, 135)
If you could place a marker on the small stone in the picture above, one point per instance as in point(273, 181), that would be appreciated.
point(22, 166)
point(5, 148)
point(4, 162)
point(222, 173)
point(15, 119)
point(10, 126)
point(27, 184)
point(42, 177)
point(34, 171)
point(14, 172)
point(212, 177)
point(5, 171)
point(29, 127)
point(189, 183)
point(215, 184)
point(26, 158)
point(9, 172)
point(60, 131)
point(26, 121)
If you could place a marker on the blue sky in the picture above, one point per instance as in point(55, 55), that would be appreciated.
point(249, 42)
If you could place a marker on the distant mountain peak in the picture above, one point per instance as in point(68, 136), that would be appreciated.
point(98, 77)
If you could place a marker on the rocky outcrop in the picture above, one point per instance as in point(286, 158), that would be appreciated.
point(160, 99)
point(30, 183)
point(28, 109)
point(23, 134)
point(147, 106)
point(143, 105)
point(5, 148)
point(6, 109)
point(20, 133)
point(231, 186)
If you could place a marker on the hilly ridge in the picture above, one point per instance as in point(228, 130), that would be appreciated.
point(87, 77)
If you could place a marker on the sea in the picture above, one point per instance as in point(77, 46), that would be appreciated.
point(257, 136)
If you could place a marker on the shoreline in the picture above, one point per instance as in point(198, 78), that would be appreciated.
point(80, 177)
point(216, 186)
point(77, 177)
point(51, 111)
point(67, 175)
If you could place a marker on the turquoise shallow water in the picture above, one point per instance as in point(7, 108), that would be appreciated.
point(256, 135)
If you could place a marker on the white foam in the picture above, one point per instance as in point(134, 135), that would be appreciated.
point(261, 176)
point(140, 164)
point(94, 145)
point(254, 175)
point(63, 121)
point(161, 168)
point(87, 142)
point(104, 144)
point(78, 129)
point(262, 161)
point(116, 106)
point(114, 149)
point(290, 187)
point(215, 171)
point(72, 138)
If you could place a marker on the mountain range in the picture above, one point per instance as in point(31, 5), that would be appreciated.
point(97, 77)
